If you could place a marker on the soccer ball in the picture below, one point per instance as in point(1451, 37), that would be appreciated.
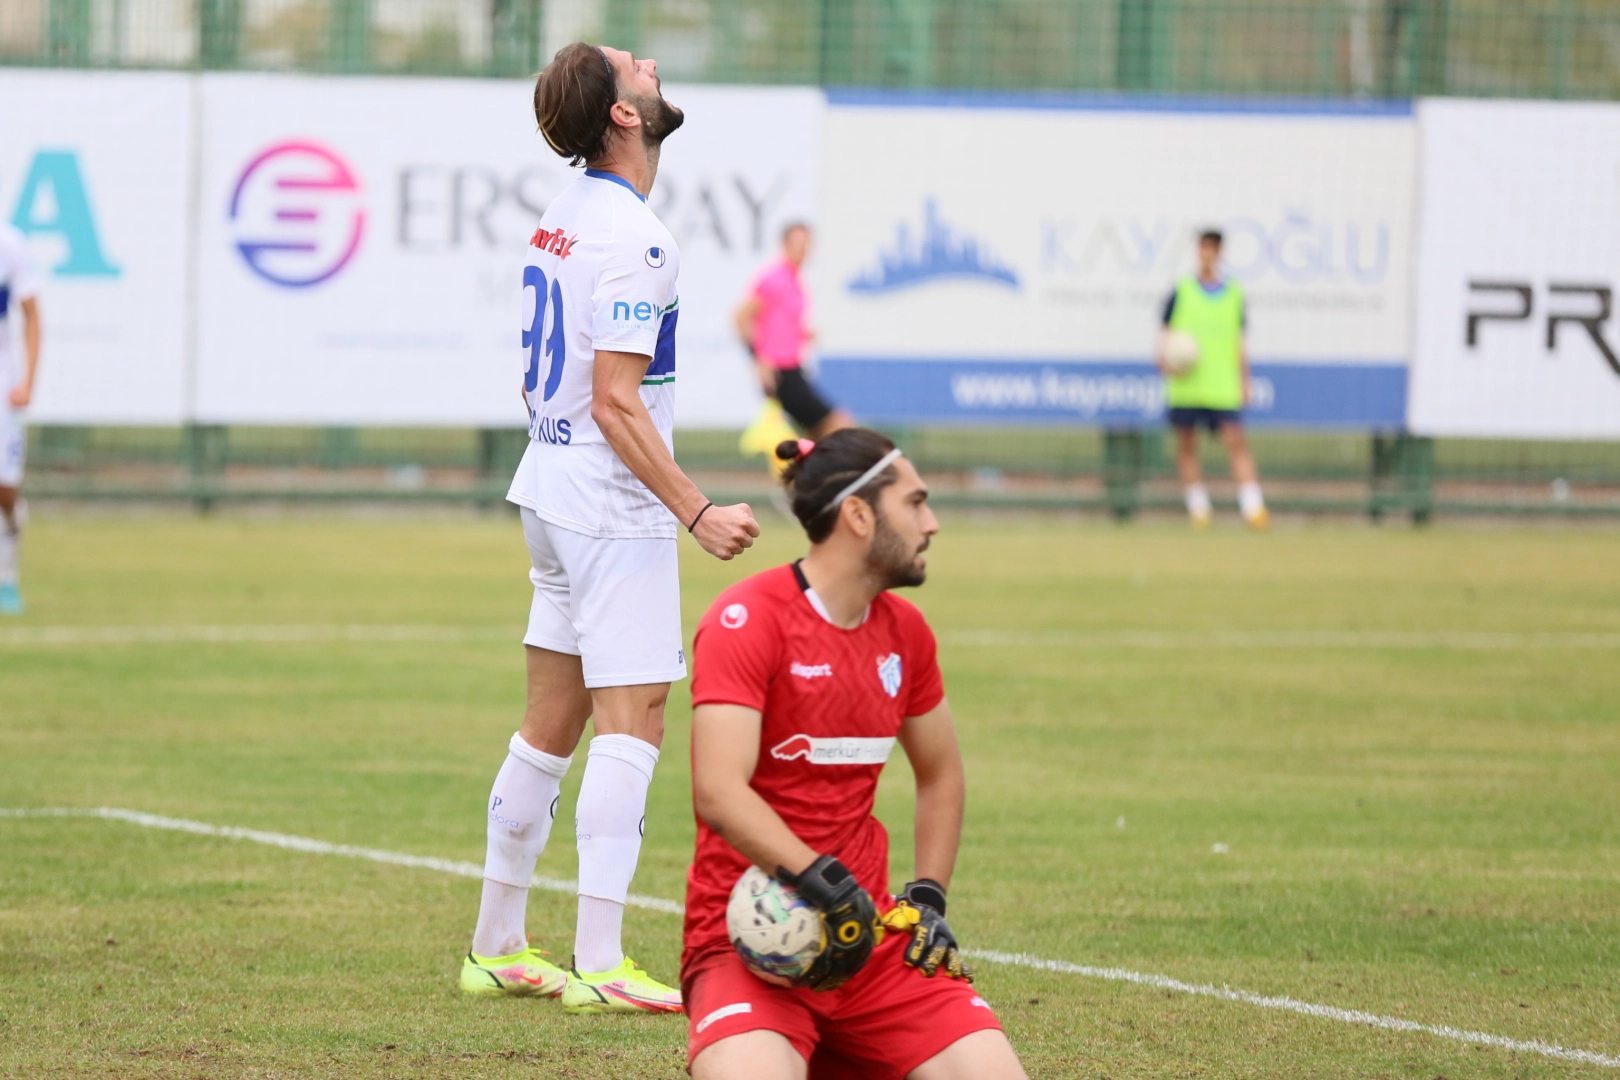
point(1180, 351)
point(776, 931)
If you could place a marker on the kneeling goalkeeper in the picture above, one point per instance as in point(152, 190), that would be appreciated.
point(804, 678)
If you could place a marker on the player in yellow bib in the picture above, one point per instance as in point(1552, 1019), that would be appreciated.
point(1212, 392)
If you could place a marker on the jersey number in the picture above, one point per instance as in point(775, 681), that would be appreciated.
point(556, 344)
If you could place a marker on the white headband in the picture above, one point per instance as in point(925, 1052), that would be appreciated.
point(861, 481)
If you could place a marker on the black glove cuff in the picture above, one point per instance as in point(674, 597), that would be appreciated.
point(821, 883)
point(925, 892)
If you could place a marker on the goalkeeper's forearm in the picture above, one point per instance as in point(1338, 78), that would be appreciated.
point(939, 825)
point(746, 822)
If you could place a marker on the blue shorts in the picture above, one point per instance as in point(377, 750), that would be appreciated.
point(1191, 416)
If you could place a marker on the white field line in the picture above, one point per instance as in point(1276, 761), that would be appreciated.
point(315, 847)
point(1112, 639)
point(192, 635)
point(1305, 1008)
point(1162, 982)
point(1283, 639)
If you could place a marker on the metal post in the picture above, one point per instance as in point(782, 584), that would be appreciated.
point(338, 448)
point(836, 63)
point(1417, 477)
point(1122, 472)
point(207, 448)
point(1428, 48)
point(1402, 478)
point(1561, 58)
point(499, 451)
point(514, 30)
point(726, 51)
point(348, 30)
point(219, 33)
point(1133, 45)
point(623, 21)
point(67, 32)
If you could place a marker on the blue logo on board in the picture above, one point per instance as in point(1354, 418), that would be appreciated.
point(938, 253)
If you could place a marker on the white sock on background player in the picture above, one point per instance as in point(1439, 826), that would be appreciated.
point(1198, 500)
point(10, 540)
point(522, 806)
point(1250, 501)
point(608, 826)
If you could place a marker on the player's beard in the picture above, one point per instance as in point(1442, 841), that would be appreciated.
point(659, 119)
point(891, 560)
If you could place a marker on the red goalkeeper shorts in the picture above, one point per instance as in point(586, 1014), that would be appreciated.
point(882, 1024)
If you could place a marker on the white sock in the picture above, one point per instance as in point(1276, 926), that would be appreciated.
point(10, 540)
point(1198, 500)
point(608, 825)
point(1250, 500)
point(500, 929)
point(522, 806)
point(597, 935)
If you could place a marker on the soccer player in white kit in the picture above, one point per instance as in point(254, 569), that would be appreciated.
point(19, 292)
point(600, 497)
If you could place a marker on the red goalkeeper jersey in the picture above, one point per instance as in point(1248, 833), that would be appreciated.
point(832, 702)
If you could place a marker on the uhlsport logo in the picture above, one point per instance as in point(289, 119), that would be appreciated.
point(296, 214)
point(734, 617)
point(845, 751)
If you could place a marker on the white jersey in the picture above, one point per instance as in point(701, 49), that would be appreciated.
point(17, 283)
point(600, 275)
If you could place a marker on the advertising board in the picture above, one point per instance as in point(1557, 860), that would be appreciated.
point(361, 243)
point(997, 262)
point(95, 171)
point(1519, 261)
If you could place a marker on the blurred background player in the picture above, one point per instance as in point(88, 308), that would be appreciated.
point(19, 289)
point(601, 498)
point(773, 323)
point(1212, 392)
point(805, 677)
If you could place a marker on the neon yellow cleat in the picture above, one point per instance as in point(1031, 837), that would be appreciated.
point(1261, 521)
point(1199, 521)
point(524, 974)
point(625, 989)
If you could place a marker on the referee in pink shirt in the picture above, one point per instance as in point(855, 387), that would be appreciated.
point(771, 323)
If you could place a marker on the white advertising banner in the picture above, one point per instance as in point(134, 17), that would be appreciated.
point(95, 171)
point(362, 240)
point(1519, 261)
point(986, 262)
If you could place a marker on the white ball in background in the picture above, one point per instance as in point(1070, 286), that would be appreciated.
point(1180, 351)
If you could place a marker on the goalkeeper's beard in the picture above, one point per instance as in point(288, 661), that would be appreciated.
point(891, 561)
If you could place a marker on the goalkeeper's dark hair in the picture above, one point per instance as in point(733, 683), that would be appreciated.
point(820, 470)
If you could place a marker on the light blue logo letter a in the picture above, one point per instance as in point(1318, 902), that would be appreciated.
point(66, 212)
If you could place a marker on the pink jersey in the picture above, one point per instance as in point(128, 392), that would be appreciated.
point(779, 333)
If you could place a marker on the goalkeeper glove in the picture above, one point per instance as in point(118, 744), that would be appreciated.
point(920, 912)
point(848, 914)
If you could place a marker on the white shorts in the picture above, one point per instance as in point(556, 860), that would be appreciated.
point(13, 447)
point(614, 603)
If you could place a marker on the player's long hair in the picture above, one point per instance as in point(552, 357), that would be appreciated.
point(573, 99)
point(820, 470)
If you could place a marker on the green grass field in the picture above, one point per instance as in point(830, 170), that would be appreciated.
point(1424, 827)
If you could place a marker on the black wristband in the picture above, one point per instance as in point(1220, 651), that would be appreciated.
point(700, 513)
point(926, 892)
